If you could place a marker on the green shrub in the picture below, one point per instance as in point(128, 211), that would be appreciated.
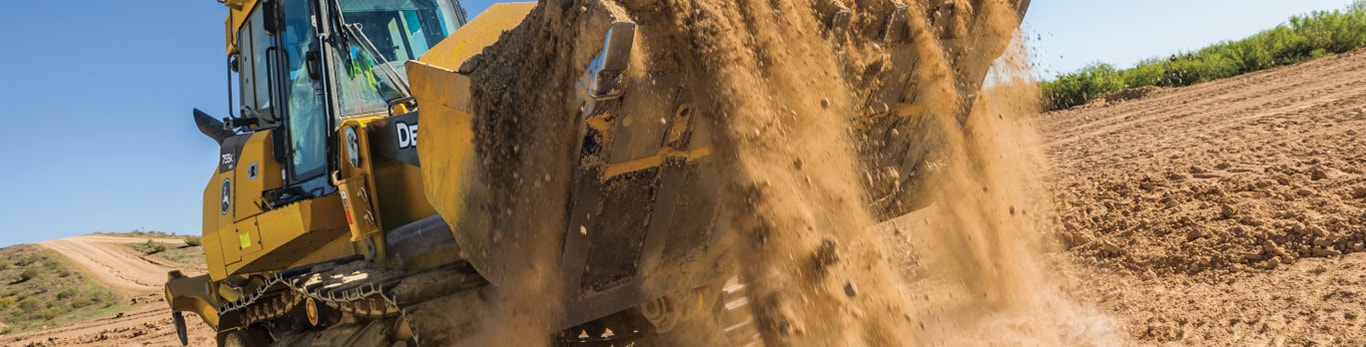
point(42, 314)
point(1076, 89)
point(79, 304)
point(30, 304)
point(67, 293)
point(1318, 34)
point(194, 241)
point(29, 273)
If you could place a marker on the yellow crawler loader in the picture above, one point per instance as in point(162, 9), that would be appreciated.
point(332, 220)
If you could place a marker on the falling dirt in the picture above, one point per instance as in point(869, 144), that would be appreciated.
point(789, 96)
point(807, 239)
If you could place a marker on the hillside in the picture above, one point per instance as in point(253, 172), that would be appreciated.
point(42, 289)
point(97, 290)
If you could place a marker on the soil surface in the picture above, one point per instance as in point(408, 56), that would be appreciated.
point(146, 323)
point(1225, 213)
point(111, 262)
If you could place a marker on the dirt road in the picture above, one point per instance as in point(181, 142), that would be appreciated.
point(111, 262)
point(1226, 213)
point(146, 323)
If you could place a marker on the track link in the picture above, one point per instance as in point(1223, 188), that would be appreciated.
point(373, 301)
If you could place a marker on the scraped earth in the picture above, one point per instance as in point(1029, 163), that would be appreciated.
point(146, 323)
point(1226, 213)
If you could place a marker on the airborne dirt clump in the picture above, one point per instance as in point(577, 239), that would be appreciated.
point(789, 97)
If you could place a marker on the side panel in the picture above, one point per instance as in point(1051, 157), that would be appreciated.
point(241, 233)
point(214, 257)
point(298, 234)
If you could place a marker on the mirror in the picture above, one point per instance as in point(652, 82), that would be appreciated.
point(212, 127)
point(270, 17)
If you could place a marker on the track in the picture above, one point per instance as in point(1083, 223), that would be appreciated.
point(111, 262)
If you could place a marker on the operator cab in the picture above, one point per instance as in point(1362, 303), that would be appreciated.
point(303, 66)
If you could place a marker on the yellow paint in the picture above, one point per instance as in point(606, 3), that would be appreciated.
point(237, 14)
point(193, 294)
point(600, 124)
point(480, 32)
point(248, 192)
point(356, 183)
point(447, 137)
point(907, 110)
point(245, 239)
point(633, 165)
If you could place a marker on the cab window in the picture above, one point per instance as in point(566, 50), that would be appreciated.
point(308, 123)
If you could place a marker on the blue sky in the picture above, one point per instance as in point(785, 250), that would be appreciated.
point(1066, 35)
point(98, 95)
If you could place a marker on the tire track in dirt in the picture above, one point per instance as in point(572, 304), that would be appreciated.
point(109, 261)
point(147, 323)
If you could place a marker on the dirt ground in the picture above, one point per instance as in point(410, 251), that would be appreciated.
point(146, 323)
point(111, 262)
point(1226, 213)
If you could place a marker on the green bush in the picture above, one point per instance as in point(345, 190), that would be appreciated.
point(194, 241)
point(1076, 89)
point(29, 273)
point(80, 303)
point(67, 293)
point(1318, 34)
point(30, 304)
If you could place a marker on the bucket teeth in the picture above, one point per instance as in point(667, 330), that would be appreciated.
point(604, 76)
point(895, 31)
point(839, 26)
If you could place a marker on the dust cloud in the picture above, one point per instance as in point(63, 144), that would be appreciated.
point(807, 240)
point(982, 279)
point(786, 107)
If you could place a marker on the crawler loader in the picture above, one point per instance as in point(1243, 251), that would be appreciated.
point(330, 219)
